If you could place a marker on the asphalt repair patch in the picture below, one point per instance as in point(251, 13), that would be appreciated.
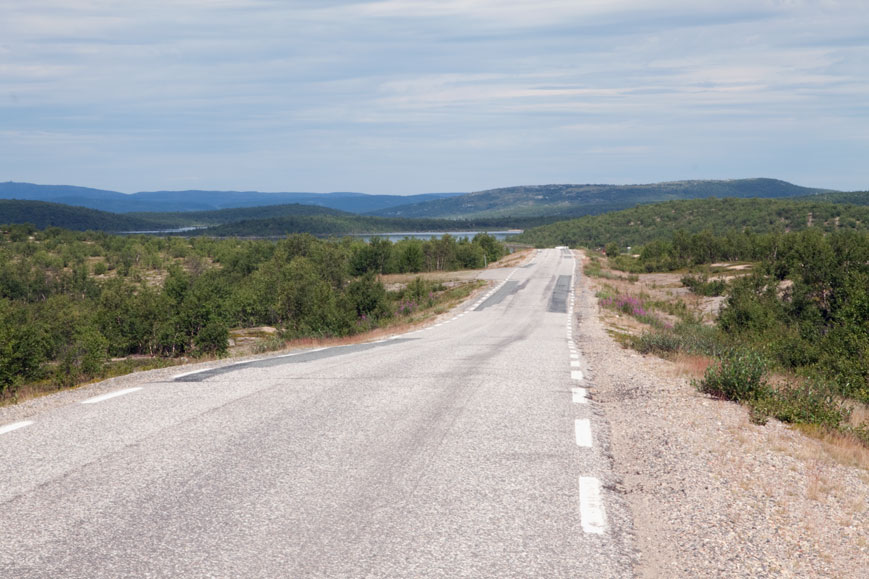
point(299, 358)
point(509, 288)
point(558, 301)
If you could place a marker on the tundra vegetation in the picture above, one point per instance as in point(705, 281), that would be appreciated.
point(792, 337)
point(75, 306)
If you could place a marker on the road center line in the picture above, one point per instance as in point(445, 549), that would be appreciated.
point(110, 395)
point(583, 432)
point(15, 426)
point(591, 511)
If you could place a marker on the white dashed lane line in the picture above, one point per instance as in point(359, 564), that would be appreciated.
point(110, 395)
point(591, 512)
point(15, 426)
point(579, 395)
point(582, 427)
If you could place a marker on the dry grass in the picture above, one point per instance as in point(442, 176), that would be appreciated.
point(843, 448)
point(691, 366)
point(859, 413)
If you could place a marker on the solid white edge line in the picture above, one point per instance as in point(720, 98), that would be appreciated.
point(574, 363)
point(15, 426)
point(574, 356)
point(591, 511)
point(576, 374)
point(579, 395)
point(110, 395)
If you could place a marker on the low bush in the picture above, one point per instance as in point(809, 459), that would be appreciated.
point(702, 286)
point(739, 376)
point(662, 343)
point(810, 403)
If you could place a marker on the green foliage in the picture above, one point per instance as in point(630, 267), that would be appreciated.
point(413, 255)
point(738, 376)
point(41, 214)
point(83, 357)
point(809, 403)
point(700, 285)
point(690, 337)
point(62, 318)
point(678, 234)
point(661, 343)
point(368, 297)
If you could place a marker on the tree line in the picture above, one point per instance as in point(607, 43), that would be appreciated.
point(70, 301)
point(717, 217)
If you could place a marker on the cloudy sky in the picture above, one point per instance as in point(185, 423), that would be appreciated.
point(414, 96)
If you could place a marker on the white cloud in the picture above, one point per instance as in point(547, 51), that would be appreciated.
point(297, 79)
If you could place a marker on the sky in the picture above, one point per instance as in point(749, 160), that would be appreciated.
point(416, 96)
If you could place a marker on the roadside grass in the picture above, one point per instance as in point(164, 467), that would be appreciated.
point(844, 447)
point(111, 369)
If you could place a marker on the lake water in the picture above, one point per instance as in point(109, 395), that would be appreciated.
point(424, 235)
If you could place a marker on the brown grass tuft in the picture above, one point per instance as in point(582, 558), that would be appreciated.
point(846, 449)
point(691, 365)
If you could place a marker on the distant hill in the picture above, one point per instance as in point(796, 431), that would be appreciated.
point(197, 200)
point(577, 200)
point(43, 214)
point(223, 216)
point(269, 221)
point(646, 223)
point(342, 224)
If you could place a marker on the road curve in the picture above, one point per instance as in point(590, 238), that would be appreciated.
point(467, 449)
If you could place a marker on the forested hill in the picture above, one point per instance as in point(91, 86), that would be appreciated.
point(337, 225)
point(43, 214)
point(646, 223)
point(269, 221)
point(222, 216)
point(577, 200)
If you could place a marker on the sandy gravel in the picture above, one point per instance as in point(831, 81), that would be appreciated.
point(713, 495)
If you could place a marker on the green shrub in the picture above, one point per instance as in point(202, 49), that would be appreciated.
point(738, 376)
point(700, 285)
point(658, 342)
point(213, 338)
point(811, 403)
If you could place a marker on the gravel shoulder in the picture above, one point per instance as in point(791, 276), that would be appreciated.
point(713, 495)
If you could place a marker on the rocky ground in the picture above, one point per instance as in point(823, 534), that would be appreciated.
point(712, 494)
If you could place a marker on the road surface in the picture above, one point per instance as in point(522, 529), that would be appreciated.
point(466, 449)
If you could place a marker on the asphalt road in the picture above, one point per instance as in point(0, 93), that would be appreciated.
point(467, 449)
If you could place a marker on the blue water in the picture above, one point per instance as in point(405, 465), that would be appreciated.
point(398, 236)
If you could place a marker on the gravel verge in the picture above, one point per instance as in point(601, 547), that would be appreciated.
point(711, 494)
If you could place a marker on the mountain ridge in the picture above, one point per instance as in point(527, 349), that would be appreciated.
point(570, 200)
point(201, 200)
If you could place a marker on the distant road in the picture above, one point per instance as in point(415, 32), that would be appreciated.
point(468, 449)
